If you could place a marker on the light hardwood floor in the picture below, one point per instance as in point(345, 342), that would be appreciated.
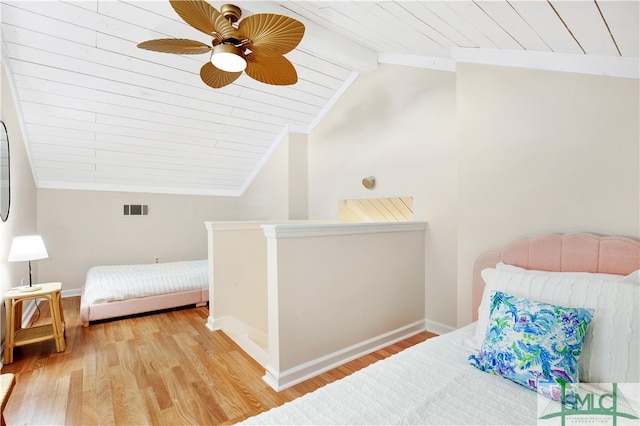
point(165, 368)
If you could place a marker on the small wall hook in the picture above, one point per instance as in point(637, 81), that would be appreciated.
point(369, 182)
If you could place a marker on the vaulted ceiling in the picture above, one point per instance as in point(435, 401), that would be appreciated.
point(99, 113)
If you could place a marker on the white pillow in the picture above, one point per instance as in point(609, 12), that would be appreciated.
point(612, 346)
point(633, 277)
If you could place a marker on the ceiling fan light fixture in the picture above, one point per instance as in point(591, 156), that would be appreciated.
point(226, 58)
point(255, 45)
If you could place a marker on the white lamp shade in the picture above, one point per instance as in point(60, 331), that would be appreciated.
point(27, 247)
point(226, 58)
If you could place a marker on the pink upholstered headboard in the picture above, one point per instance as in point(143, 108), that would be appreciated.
point(562, 253)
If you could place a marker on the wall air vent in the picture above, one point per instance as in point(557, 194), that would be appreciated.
point(136, 209)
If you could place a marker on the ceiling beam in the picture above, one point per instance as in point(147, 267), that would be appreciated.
point(611, 66)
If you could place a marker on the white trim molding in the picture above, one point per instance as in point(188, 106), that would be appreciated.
point(245, 225)
point(302, 230)
point(430, 62)
point(437, 327)
point(610, 66)
point(280, 380)
point(243, 335)
point(108, 187)
point(73, 292)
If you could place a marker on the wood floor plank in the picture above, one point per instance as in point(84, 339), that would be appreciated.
point(151, 406)
point(104, 398)
point(73, 412)
point(161, 369)
point(89, 409)
point(159, 391)
point(207, 398)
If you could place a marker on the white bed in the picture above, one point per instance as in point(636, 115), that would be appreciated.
point(434, 383)
point(119, 290)
point(429, 383)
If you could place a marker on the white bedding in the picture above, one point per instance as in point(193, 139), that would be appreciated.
point(429, 383)
point(121, 282)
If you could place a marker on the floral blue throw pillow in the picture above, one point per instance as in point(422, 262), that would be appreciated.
point(532, 342)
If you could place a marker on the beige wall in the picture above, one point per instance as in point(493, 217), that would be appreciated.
point(364, 294)
point(298, 176)
point(399, 125)
point(267, 197)
point(88, 228)
point(488, 153)
point(542, 151)
point(337, 291)
point(22, 213)
point(239, 281)
point(22, 210)
point(280, 189)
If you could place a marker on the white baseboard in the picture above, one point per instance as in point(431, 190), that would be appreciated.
point(244, 336)
point(437, 327)
point(280, 380)
point(71, 293)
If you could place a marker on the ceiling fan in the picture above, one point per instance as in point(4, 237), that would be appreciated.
point(255, 45)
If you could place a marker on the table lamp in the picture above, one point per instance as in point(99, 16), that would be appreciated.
point(28, 247)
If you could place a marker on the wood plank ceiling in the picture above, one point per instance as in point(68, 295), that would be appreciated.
point(99, 113)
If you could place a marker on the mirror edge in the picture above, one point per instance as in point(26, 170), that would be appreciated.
point(5, 215)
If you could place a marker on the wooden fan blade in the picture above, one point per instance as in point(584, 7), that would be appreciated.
point(271, 35)
point(175, 45)
point(203, 17)
point(276, 70)
point(215, 77)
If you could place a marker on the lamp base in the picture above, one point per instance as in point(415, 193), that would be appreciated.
point(26, 288)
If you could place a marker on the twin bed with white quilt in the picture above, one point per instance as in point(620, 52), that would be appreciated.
point(555, 309)
point(120, 290)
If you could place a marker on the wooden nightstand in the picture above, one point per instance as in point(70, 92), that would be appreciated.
point(18, 336)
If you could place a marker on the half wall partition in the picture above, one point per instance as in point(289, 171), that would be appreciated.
point(304, 297)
